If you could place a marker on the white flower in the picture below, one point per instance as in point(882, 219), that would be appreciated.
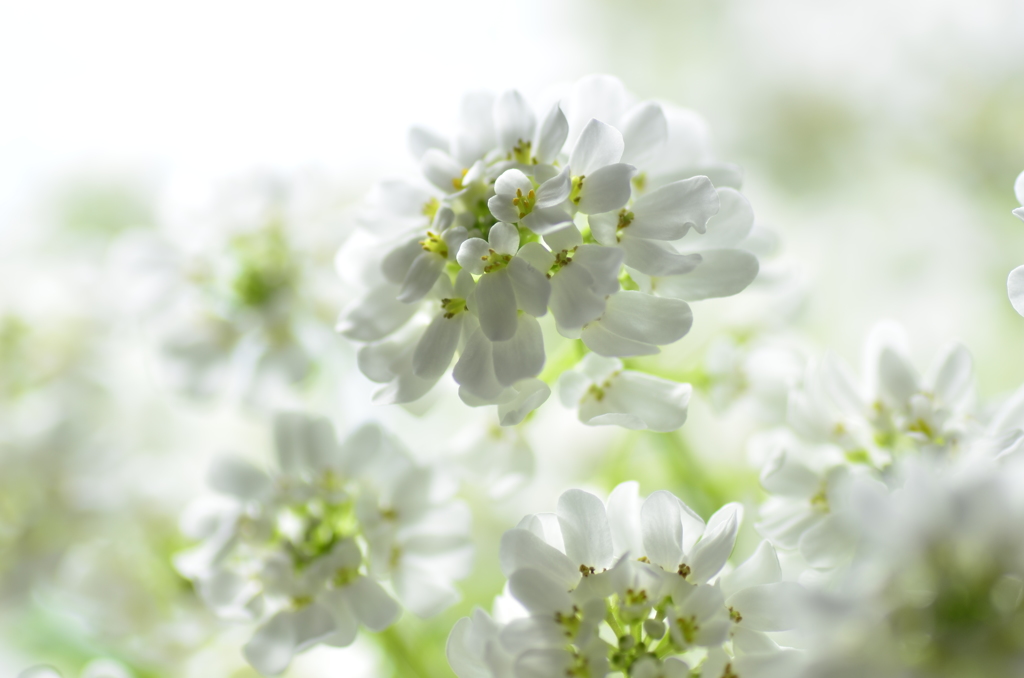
point(619, 588)
point(1015, 281)
point(507, 200)
point(605, 394)
point(305, 551)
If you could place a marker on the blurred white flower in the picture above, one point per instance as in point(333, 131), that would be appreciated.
point(605, 393)
point(517, 216)
point(625, 588)
point(306, 549)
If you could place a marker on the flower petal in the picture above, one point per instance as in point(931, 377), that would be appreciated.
point(530, 394)
point(521, 548)
point(955, 375)
point(538, 593)
point(644, 317)
point(376, 315)
point(421, 140)
point(644, 132)
point(768, 607)
point(669, 212)
point(606, 188)
point(585, 528)
point(599, 144)
point(760, 568)
point(624, 518)
point(599, 339)
point(476, 122)
point(573, 302)
point(536, 255)
point(522, 356)
point(551, 136)
point(1015, 288)
point(422, 275)
point(475, 369)
point(544, 220)
point(896, 376)
point(495, 305)
point(532, 288)
point(271, 648)
point(596, 96)
point(555, 190)
point(238, 478)
point(662, 527)
point(396, 263)
point(502, 209)
point(472, 254)
point(721, 273)
point(513, 119)
point(726, 229)
point(603, 263)
point(441, 169)
point(510, 181)
point(504, 238)
point(657, 259)
point(713, 550)
point(374, 608)
point(435, 349)
point(638, 401)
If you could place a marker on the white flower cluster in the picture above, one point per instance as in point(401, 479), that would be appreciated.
point(308, 550)
point(634, 588)
point(599, 210)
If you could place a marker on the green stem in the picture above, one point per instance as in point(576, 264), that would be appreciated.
point(405, 662)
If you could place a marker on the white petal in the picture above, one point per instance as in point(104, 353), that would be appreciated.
point(721, 273)
point(495, 305)
point(502, 209)
point(472, 254)
point(538, 593)
point(606, 188)
point(504, 238)
point(644, 131)
point(511, 181)
point(573, 302)
point(669, 212)
point(601, 341)
point(475, 369)
point(638, 401)
point(530, 394)
point(522, 356)
point(768, 607)
point(726, 229)
point(521, 548)
point(826, 544)
point(441, 169)
point(599, 144)
point(313, 623)
point(781, 664)
point(376, 315)
point(624, 518)
point(396, 263)
point(897, 376)
point(406, 387)
point(713, 550)
point(656, 258)
point(462, 650)
point(644, 317)
point(585, 528)
point(555, 190)
point(536, 255)
point(1019, 213)
point(271, 648)
point(662, 530)
point(784, 475)
point(551, 135)
point(955, 376)
point(546, 663)
point(532, 288)
point(564, 238)
point(422, 593)
point(603, 263)
point(371, 604)
point(760, 568)
point(303, 442)
point(1015, 288)
point(605, 228)
point(596, 96)
point(453, 238)
point(238, 478)
point(476, 121)
point(545, 220)
point(513, 118)
point(435, 349)
point(377, 361)
point(421, 140)
point(1018, 188)
point(421, 277)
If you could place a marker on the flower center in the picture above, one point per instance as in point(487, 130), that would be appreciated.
point(524, 203)
point(436, 244)
point(452, 307)
point(577, 186)
point(495, 260)
point(521, 152)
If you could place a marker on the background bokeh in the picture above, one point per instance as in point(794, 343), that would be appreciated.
point(880, 141)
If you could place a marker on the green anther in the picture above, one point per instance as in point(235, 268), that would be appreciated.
point(683, 571)
point(819, 502)
point(457, 183)
point(430, 208)
point(625, 219)
point(524, 203)
point(302, 601)
point(596, 391)
point(453, 307)
point(735, 616)
point(688, 627)
point(495, 261)
point(345, 576)
point(522, 151)
point(921, 426)
point(858, 457)
point(727, 672)
point(577, 186)
point(640, 182)
point(562, 259)
point(435, 243)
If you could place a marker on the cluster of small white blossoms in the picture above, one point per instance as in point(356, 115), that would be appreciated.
point(1015, 281)
point(633, 588)
point(936, 587)
point(327, 543)
point(599, 210)
point(245, 306)
point(837, 427)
